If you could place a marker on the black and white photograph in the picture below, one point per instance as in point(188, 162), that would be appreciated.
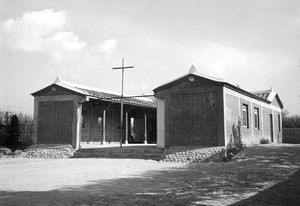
point(149, 102)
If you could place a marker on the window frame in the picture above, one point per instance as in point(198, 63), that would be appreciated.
point(256, 118)
point(245, 108)
point(279, 125)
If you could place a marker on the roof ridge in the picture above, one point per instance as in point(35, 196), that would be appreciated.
point(260, 91)
point(94, 89)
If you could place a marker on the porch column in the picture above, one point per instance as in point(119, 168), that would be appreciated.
point(103, 137)
point(78, 125)
point(145, 141)
point(91, 124)
point(126, 136)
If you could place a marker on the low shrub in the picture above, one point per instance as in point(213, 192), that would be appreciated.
point(231, 150)
point(264, 141)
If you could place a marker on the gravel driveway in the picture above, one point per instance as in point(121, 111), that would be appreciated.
point(259, 175)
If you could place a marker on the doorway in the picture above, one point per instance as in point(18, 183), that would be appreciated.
point(271, 128)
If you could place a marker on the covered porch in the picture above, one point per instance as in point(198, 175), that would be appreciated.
point(69, 113)
point(100, 125)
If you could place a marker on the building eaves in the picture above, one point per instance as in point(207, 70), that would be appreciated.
point(218, 81)
point(100, 94)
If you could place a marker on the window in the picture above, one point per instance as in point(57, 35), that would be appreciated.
point(279, 125)
point(245, 116)
point(256, 118)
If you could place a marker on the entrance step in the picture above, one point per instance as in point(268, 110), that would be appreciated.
point(135, 152)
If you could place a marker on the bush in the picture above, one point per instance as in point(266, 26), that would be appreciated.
point(26, 130)
point(264, 141)
point(232, 150)
point(15, 130)
point(13, 140)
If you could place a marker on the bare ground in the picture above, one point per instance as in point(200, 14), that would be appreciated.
point(260, 175)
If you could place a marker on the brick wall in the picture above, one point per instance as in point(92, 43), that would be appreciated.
point(193, 117)
point(55, 122)
point(57, 116)
point(193, 113)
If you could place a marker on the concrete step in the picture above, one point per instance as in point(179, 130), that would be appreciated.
point(134, 153)
point(117, 156)
point(120, 150)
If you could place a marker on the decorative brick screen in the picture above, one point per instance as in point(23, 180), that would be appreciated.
point(193, 119)
point(55, 122)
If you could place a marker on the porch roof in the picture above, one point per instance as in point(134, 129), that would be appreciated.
point(101, 94)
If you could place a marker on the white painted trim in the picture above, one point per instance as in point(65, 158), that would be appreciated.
point(126, 128)
point(271, 96)
point(78, 125)
point(273, 127)
point(239, 102)
point(262, 121)
point(251, 121)
point(59, 98)
point(225, 118)
point(104, 123)
point(263, 104)
point(161, 123)
point(146, 136)
point(35, 120)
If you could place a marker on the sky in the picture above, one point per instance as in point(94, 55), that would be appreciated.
point(255, 44)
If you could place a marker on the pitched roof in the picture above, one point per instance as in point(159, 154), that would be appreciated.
point(193, 71)
point(103, 94)
point(263, 93)
point(265, 96)
point(269, 95)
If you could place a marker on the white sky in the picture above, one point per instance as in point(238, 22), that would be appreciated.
point(255, 44)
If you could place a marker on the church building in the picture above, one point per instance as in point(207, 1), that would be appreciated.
point(192, 110)
point(200, 110)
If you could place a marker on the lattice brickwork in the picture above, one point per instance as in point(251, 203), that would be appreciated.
point(55, 122)
point(193, 118)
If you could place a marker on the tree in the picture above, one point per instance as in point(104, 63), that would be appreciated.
point(14, 133)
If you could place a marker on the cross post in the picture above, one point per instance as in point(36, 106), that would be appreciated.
point(122, 101)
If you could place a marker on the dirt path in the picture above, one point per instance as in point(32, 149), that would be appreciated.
point(259, 175)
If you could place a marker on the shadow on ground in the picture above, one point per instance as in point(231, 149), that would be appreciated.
point(243, 181)
point(284, 193)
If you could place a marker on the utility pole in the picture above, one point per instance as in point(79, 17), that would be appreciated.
point(122, 100)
